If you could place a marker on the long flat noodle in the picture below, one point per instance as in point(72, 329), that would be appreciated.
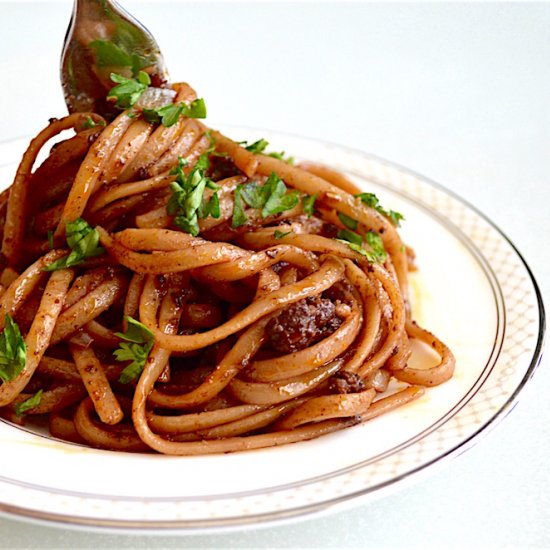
point(172, 261)
point(16, 222)
point(88, 308)
point(434, 375)
point(22, 287)
point(328, 406)
point(260, 393)
point(39, 335)
point(97, 385)
point(91, 170)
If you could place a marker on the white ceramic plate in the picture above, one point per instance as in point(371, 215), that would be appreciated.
point(473, 290)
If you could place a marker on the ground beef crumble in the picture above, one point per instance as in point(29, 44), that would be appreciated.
point(302, 324)
point(346, 382)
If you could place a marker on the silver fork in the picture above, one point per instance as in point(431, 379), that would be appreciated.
point(101, 39)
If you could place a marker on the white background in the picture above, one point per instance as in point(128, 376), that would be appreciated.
point(457, 92)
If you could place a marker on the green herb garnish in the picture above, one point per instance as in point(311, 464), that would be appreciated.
point(349, 236)
point(279, 234)
point(84, 243)
point(376, 254)
point(257, 147)
point(30, 403)
point(350, 223)
point(170, 114)
point(239, 217)
point(110, 54)
point(271, 198)
point(90, 123)
point(128, 90)
point(370, 199)
point(277, 198)
point(377, 246)
point(186, 202)
point(281, 156)
point(13, 350)
point(308, 202)
point(139, 342)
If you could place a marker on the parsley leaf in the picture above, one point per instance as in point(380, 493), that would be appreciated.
point(272, 198)
point(377, 254)
point(278, 200)
point(89, 123)
point(395, 217)
point(170, 114)
point(239, 217)
point(13, 351)
point(258, 146)
point(128, 90)
point(375, 242)
point(109, 54)
point(50, 240)
point(281, 156)
point(30, 403)
point(370, 199)
point(186, 202)
point(279, 234)
point(261, 145)
point(139, 342)
point(211, 207)
point(84, 243)
point(350, 223)
point(254, 194)
point(355, 247)
point(309, 204)
point(349, 236)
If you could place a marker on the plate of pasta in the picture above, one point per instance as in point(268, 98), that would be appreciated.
point(210, 328)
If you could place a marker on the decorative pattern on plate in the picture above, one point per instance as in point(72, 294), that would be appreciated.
point(496, 357)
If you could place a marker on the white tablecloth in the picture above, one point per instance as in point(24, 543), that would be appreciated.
point(460, 93)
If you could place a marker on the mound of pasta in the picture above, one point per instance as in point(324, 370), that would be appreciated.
point(166, 288)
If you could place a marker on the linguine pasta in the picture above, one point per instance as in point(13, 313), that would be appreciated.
point(166, 288)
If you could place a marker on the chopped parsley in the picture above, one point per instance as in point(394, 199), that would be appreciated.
point(279, 234)
point(281, 156)
point(50, 240)
point(170, 114)
point(129, 90)
point(239, 217)
point(90, 123)
point(376, 254)
point(370, 199)
point(139, 342)
point(349, 236)
point(308, 202)
point(350, 223)
point(377, 246)
point(271, 198)
point(110, 54)
point(187, 202)
point(261, 145)
point(84, 243)
point(277, 198)
point(28, 404)
point(258, 146)
point(13, 350)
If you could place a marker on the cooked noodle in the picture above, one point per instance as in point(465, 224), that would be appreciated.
point(263, 333)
